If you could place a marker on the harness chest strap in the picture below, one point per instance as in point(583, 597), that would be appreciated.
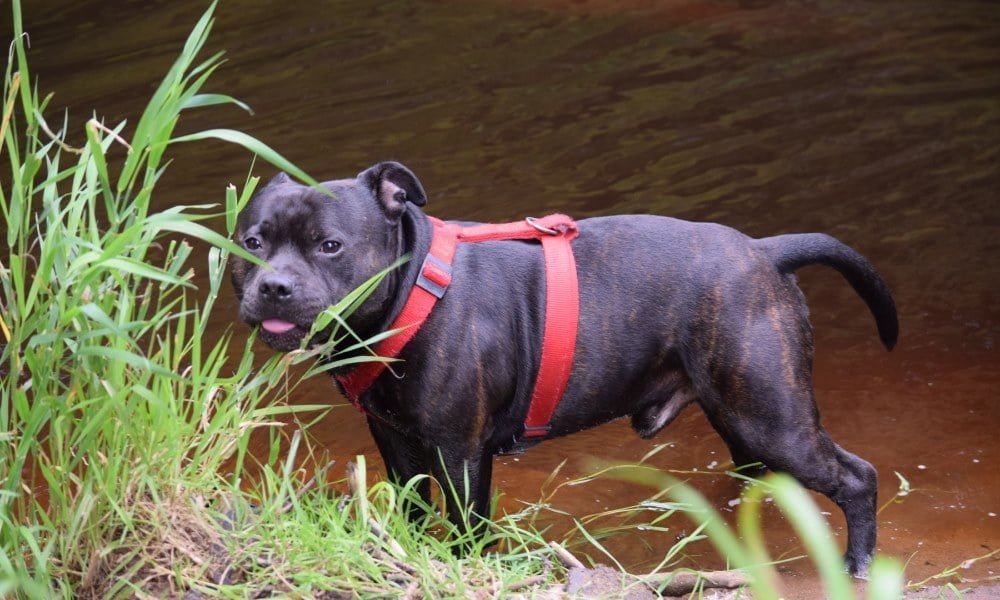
point(562, 308)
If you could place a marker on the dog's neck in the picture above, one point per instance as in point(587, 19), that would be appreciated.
point(413, 236)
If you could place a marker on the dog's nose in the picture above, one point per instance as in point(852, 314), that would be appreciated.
point(275, 286)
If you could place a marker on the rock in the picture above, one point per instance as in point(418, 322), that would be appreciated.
point(605, 582)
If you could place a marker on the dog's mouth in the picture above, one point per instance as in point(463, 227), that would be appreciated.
point(282, 335)
point(277, 326)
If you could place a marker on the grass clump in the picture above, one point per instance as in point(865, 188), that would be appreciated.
point(112, 399)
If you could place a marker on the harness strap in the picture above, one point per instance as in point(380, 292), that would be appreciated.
point(432, 283)
point(562, 314)
point(562, 308)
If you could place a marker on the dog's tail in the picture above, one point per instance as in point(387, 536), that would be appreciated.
point(793, 251)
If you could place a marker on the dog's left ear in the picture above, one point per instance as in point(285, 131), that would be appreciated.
point(393, 185)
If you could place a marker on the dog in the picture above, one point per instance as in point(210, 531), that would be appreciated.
point(671, 313)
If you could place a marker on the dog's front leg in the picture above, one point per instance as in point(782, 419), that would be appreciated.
point(405, 457)
point(465, 475)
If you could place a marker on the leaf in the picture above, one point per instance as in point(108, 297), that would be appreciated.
point(199, 100)
point(139, 269)
point(152, 119)
point(286, 409)
point(885, 579)
point(130, 358)
point(257, 147)
point(324, 367)
point(205, 234)
point(812, 529)
point(904, 485)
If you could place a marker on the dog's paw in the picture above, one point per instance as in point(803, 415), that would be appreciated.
point(857, 568)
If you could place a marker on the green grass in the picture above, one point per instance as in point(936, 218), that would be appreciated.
point(124, 428)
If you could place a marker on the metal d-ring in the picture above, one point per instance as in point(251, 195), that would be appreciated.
point(534, 223)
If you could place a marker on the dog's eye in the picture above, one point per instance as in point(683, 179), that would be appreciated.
point(331, 247)
point(252, 243)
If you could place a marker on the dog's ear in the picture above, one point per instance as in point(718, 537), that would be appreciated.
point(393, 185)
point(280, 178)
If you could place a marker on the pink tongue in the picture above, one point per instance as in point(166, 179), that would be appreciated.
point(277, 325)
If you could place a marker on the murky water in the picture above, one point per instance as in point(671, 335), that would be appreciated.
point(877, 122)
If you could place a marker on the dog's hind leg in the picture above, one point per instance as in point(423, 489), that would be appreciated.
point(750, 364)
point(766, 412)
point(805, 451)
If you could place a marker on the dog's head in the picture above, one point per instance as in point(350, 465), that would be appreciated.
point(318, 248)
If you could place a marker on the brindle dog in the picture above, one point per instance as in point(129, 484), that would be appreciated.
point(671, 312)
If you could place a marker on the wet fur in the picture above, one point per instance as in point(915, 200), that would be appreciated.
point(671, 313)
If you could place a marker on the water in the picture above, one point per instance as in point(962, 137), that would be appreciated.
point(877, 122)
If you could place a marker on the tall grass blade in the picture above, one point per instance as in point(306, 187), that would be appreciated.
point(257, 147)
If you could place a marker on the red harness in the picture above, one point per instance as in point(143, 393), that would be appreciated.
point(562, 308)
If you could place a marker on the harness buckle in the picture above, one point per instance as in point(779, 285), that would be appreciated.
point(533, 431)
point(516, 445)
point(529, 436)
point(534, 223)
point(435, 276)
